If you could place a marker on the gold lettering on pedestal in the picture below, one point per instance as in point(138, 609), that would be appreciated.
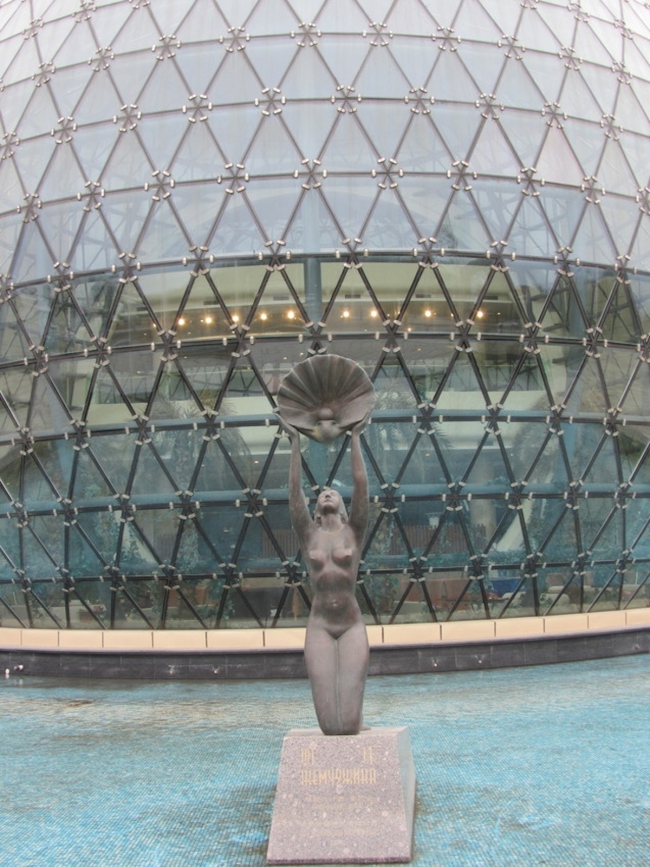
point(307, 756)
point(338, 776)
point(368, 758)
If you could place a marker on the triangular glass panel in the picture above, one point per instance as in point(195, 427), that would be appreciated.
point(10, 229)
point(640, 252)
point(630, 113)
point(497, 205)
point(95, 249)
point(577, 99)
point(270, 58)
point(350, 207)
point(127, 161)
point(163, 238)
point(527, 391)
point(450, 81)
point(599, 454)
point(92, 151)
point(338, 16)
point(602, 527)
point(135, 553)
point(492, 153)
point(380, 77)
point(236, 82)
point(62, 175)
point(563, 208)
point(394, 395)
point(60, 224)
point(386, 226)
point(621, 322)
point(72, 379)
point(587, 44)
point(13, 344)
point(426, 198)
point(387, 545)
point(307, 77)
point(92, 106)
point(39, 114)
point(509, 543)
point(149, 480)
point(484, 64)
point(216, 474)
point(557, 162)
point(116, 453)
point(476, 22)
point(348, 149)
point(529, 234)
point(270, 212)
point(32, 258)
point(634, 398)
point(32, 305)
point(461, 226)
point(201, 19)
point(587, 396)
point(586, 147)
point(313, 227)
point(83, 561)
point(43, 485)
point(614, 170)
point(194, 556)
point(198, 155)
point(487, 468)
point(536, 459)
point(464, 284)
point(140, 32)
point(525, 131)
point(173, 399)
point(47, 411)
point(621, 221)
point(592, 242)
point(11, 187)
point(421, 148)
point(533, 29)
point(517, 90)
point(16, 386)
point(107, 402)
point(126, 215)
point(272, 151)
point(90, 484)
point(236, 232)
point(532, 281)
point(195, 206)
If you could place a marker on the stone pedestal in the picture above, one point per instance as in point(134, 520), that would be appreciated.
point(346, 799)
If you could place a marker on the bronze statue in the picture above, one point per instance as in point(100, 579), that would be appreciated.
point(336, 644)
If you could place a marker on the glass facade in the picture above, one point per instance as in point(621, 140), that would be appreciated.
point(196, 195)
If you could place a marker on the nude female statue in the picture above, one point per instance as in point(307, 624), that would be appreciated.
point(336, 644)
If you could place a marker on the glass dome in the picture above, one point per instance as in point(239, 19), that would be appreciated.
point(197, 195)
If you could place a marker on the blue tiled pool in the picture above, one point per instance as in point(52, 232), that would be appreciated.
point(535, 766)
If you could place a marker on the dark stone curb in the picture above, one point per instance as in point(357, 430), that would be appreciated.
point(402, 659)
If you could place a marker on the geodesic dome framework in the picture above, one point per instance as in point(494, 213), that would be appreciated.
point(197, 195)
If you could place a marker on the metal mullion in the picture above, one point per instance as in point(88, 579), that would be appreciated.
point(13, 613)
point(140, 611)
point(50, 614)
point(371, 605)
point(459, 599)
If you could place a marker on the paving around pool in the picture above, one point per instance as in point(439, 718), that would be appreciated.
point(547, 765)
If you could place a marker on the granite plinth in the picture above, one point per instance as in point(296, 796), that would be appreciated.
point(345, 799)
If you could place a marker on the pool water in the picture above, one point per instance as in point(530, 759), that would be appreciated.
point(534, 766)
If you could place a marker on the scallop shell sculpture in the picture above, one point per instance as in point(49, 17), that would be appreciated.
point(324, 396)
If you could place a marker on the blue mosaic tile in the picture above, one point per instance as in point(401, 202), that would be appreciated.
point(536, 766)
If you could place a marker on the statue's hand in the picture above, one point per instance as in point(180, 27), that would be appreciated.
point(289, 429)
point(358, 428)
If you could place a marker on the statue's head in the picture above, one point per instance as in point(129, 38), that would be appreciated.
point(330, 502)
